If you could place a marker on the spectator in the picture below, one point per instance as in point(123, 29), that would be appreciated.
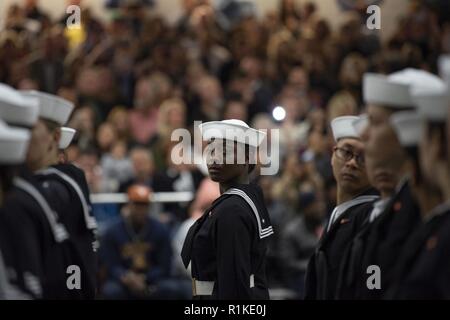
point(176, 178)
point(116, 166)
point(172, 116)
point(32, 10)
point(279, 214)
point(350, 77)
point(143, 168)
point(84, 121)
point(48, 68)
point(294, 128)
point(341, 104)
point(209, 94)
point(118, 118)
point(149, 94)
point(235, 108)
point(251, 68)
point(106, 136)
point(299, 239)
point(137, 253)
point(88, 161)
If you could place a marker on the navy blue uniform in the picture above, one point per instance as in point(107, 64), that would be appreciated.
point(66, 185)
point(8, 291)
point(424, 267)
point(379, 243)
point(323, 267)
point(227, 246)
point(40, 247)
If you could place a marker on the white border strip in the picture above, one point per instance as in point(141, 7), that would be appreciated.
point(59, 231)
point(89, 220)
point(262, 232)
point(161, 197)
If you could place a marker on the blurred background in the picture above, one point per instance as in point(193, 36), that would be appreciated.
point(138, 69)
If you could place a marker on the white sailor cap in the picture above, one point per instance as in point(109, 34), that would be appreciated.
point(13, 144)
point(52, 107)
point(444, 68)
point(396, 89)
point(377, 89)
point(234, 130)
point(16, 109)
point(408, 126)
point(361, 123)
point(67, 135)
point(429, 93)
point(342, 127)
point(419, 81)
point(433, 106)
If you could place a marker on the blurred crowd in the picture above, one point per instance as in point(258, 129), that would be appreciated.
point(135, 78)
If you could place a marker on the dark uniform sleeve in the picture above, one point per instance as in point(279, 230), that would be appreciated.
point(80, 177)
point(443, 274)
point(311, 279)
point(23, 239)
point(233, 240)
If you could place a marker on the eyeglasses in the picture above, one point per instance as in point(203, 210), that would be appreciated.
point(347, 155)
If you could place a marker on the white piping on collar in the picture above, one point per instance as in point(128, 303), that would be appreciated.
point(343, 207)
point(59, 231)
point(91, 224)
point(263, 232)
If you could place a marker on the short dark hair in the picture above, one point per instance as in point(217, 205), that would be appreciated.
point(90, 150)
point(7, 173)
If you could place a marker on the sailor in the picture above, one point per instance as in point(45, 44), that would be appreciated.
point(423, 268)
point(38, 240)
point(354, 201)
point(392, 220)
point(68, 182)
point(227, 246)
point(14, 144)
point(67, 135)
point(60, 253)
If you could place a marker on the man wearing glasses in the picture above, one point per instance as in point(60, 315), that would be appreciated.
point(396, 216)
point(354, 202)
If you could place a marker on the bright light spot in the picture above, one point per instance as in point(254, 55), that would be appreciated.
point(279, 113)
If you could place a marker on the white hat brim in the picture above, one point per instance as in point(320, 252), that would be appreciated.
point(67, 135)
point(342, 128)
point(17, 109)
point(13, 144)
point(433, 107)
point(361, 124)
point(233, 132)
point(52, 107)
point(378, 89)
point(408, 126)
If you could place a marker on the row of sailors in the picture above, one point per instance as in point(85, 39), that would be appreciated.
point(47, 230)
point(389, 236)
point(392, 170)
